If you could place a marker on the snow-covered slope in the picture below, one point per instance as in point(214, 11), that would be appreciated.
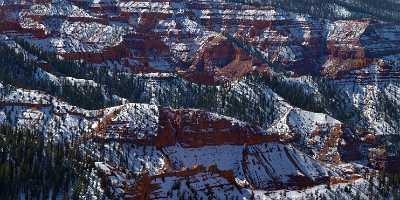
point(166, 147)
point(208, 99)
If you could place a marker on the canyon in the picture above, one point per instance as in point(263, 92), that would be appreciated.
point(207, 99)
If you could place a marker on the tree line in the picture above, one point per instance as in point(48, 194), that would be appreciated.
point(33, 167)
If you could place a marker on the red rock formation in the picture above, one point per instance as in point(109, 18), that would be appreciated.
point(108, 53)
point(196, 128)
point(31, 105)
point(382, 160)
point(328, 152)
point(213, 178)
point(9, 26)
point(220, 60)
point(188, 127)
point(344, 48)
point(7, 23)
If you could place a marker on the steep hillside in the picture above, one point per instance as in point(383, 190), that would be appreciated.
point(144, 144)
point(203, 99)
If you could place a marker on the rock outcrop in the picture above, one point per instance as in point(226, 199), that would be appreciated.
point(314, 96)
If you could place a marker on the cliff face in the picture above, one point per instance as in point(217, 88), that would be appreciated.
point(154, 36)
point(164, 35)
point(151, 149)
point(237, 100)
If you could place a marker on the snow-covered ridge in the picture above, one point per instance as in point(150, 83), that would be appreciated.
point(253, 163)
